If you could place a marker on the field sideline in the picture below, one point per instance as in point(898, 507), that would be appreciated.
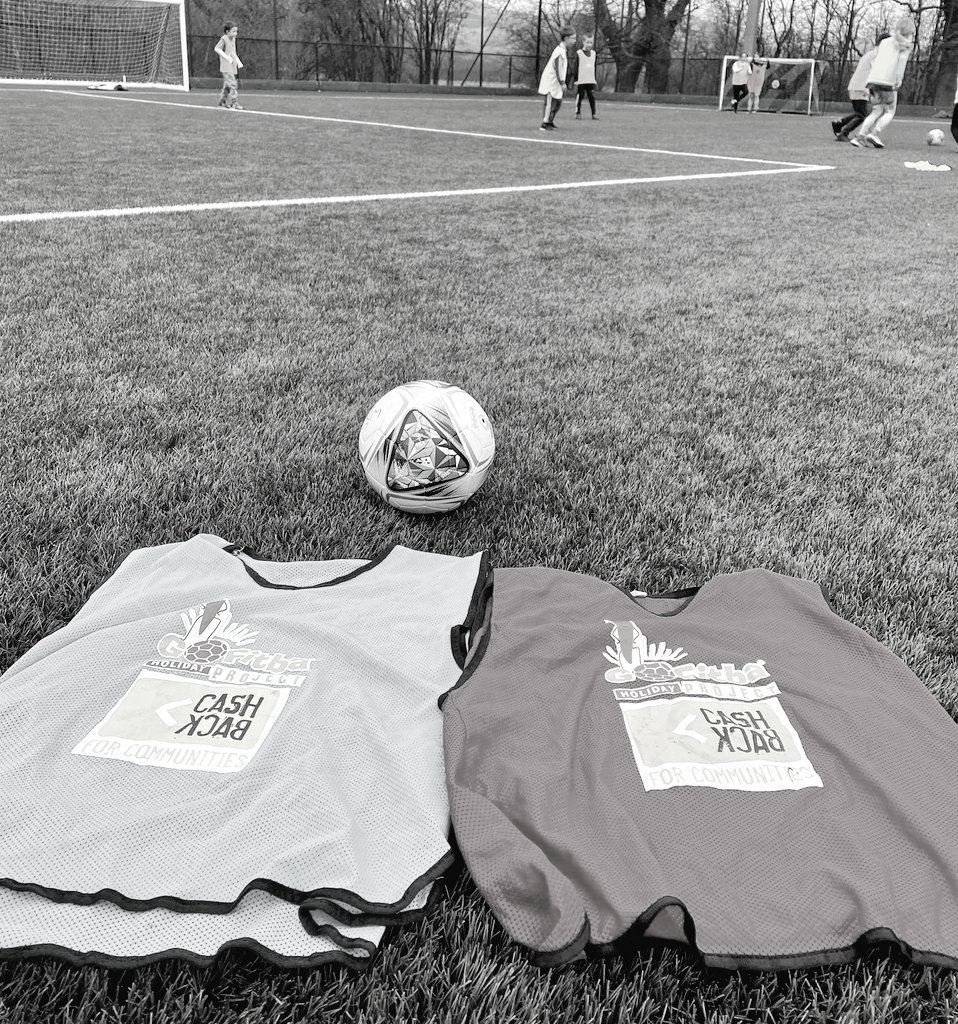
point(687, 375)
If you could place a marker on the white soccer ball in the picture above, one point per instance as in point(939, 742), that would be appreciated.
point(935, 137)
point(426, 446)
point(775, 83)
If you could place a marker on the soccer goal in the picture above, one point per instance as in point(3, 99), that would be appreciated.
point(791, 85)
point(85, 42)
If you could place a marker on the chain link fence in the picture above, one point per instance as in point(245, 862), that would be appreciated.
point(317, 61)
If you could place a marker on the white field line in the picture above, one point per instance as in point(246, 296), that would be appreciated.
point(437, 131)
point(254, 204)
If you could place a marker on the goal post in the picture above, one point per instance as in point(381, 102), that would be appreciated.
point(83, 42)
point(791, 84)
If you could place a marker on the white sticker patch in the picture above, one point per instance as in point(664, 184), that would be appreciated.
point(703, 741)
point(167, 721)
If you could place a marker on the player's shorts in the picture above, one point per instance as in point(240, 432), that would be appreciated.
point(882, 94)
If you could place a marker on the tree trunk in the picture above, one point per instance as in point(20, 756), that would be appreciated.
point(652, 45)
point(617, 34)
point(948, 63)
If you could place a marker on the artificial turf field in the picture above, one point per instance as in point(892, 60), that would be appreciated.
point(739, 351)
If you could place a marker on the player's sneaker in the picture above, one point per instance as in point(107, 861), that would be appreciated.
point(841, 137)
point(594, 118)
point(837, 129)
point(858, 142)
point(578, 117)
point(875, 140)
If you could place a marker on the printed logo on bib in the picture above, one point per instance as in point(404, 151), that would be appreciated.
point(207, 704)
point(703, 725)
point(212, 645)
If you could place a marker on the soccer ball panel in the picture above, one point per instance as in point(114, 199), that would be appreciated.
point(426, 446)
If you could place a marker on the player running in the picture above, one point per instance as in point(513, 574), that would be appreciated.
point(884, 81)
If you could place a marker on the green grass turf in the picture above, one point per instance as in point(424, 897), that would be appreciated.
point(685, 378)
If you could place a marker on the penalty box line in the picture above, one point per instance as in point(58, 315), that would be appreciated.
point(256, 204)
point(438, 131)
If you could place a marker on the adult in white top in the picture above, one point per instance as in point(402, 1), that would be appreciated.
point(884, 81)
point(229, 66)
point(585, 79)
point(553, 78)
point(740, 70)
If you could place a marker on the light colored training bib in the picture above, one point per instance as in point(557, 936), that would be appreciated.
point(257, 744)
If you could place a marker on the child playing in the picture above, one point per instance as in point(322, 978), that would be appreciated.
point(553, 78)
point(858, 94)
point(884, 81)
point(229, 66)
point(740, 70)
point(585, 77)
point(756, 82)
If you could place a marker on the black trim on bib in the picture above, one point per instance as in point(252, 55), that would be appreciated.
point(367, 912)
point(633, 939)
point(310, 899)
point(77, 959)
point(478, 649)
point(333, 934)
point(568, 952)
point(687, 592)
point(343, 915)
point(238, 550)
point(461, 636)
point(468, 653)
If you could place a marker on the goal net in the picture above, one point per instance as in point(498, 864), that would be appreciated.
point(78, 42)
point(790, 85)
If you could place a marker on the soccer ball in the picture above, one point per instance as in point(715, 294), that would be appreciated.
point(935, 137)
point(775, 83)
point(426, 446)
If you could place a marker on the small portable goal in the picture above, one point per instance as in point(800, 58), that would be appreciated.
point(791, 85)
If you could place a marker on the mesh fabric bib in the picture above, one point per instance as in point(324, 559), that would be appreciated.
point(736, 768)
point(223, 751)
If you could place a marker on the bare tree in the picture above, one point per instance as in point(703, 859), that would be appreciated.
point(356, 36)
point(780, 18)
point(617, 24)
point(720, 29)
point(432, 27)
point(525, 30)
point(643, 43)
point(255, 17)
